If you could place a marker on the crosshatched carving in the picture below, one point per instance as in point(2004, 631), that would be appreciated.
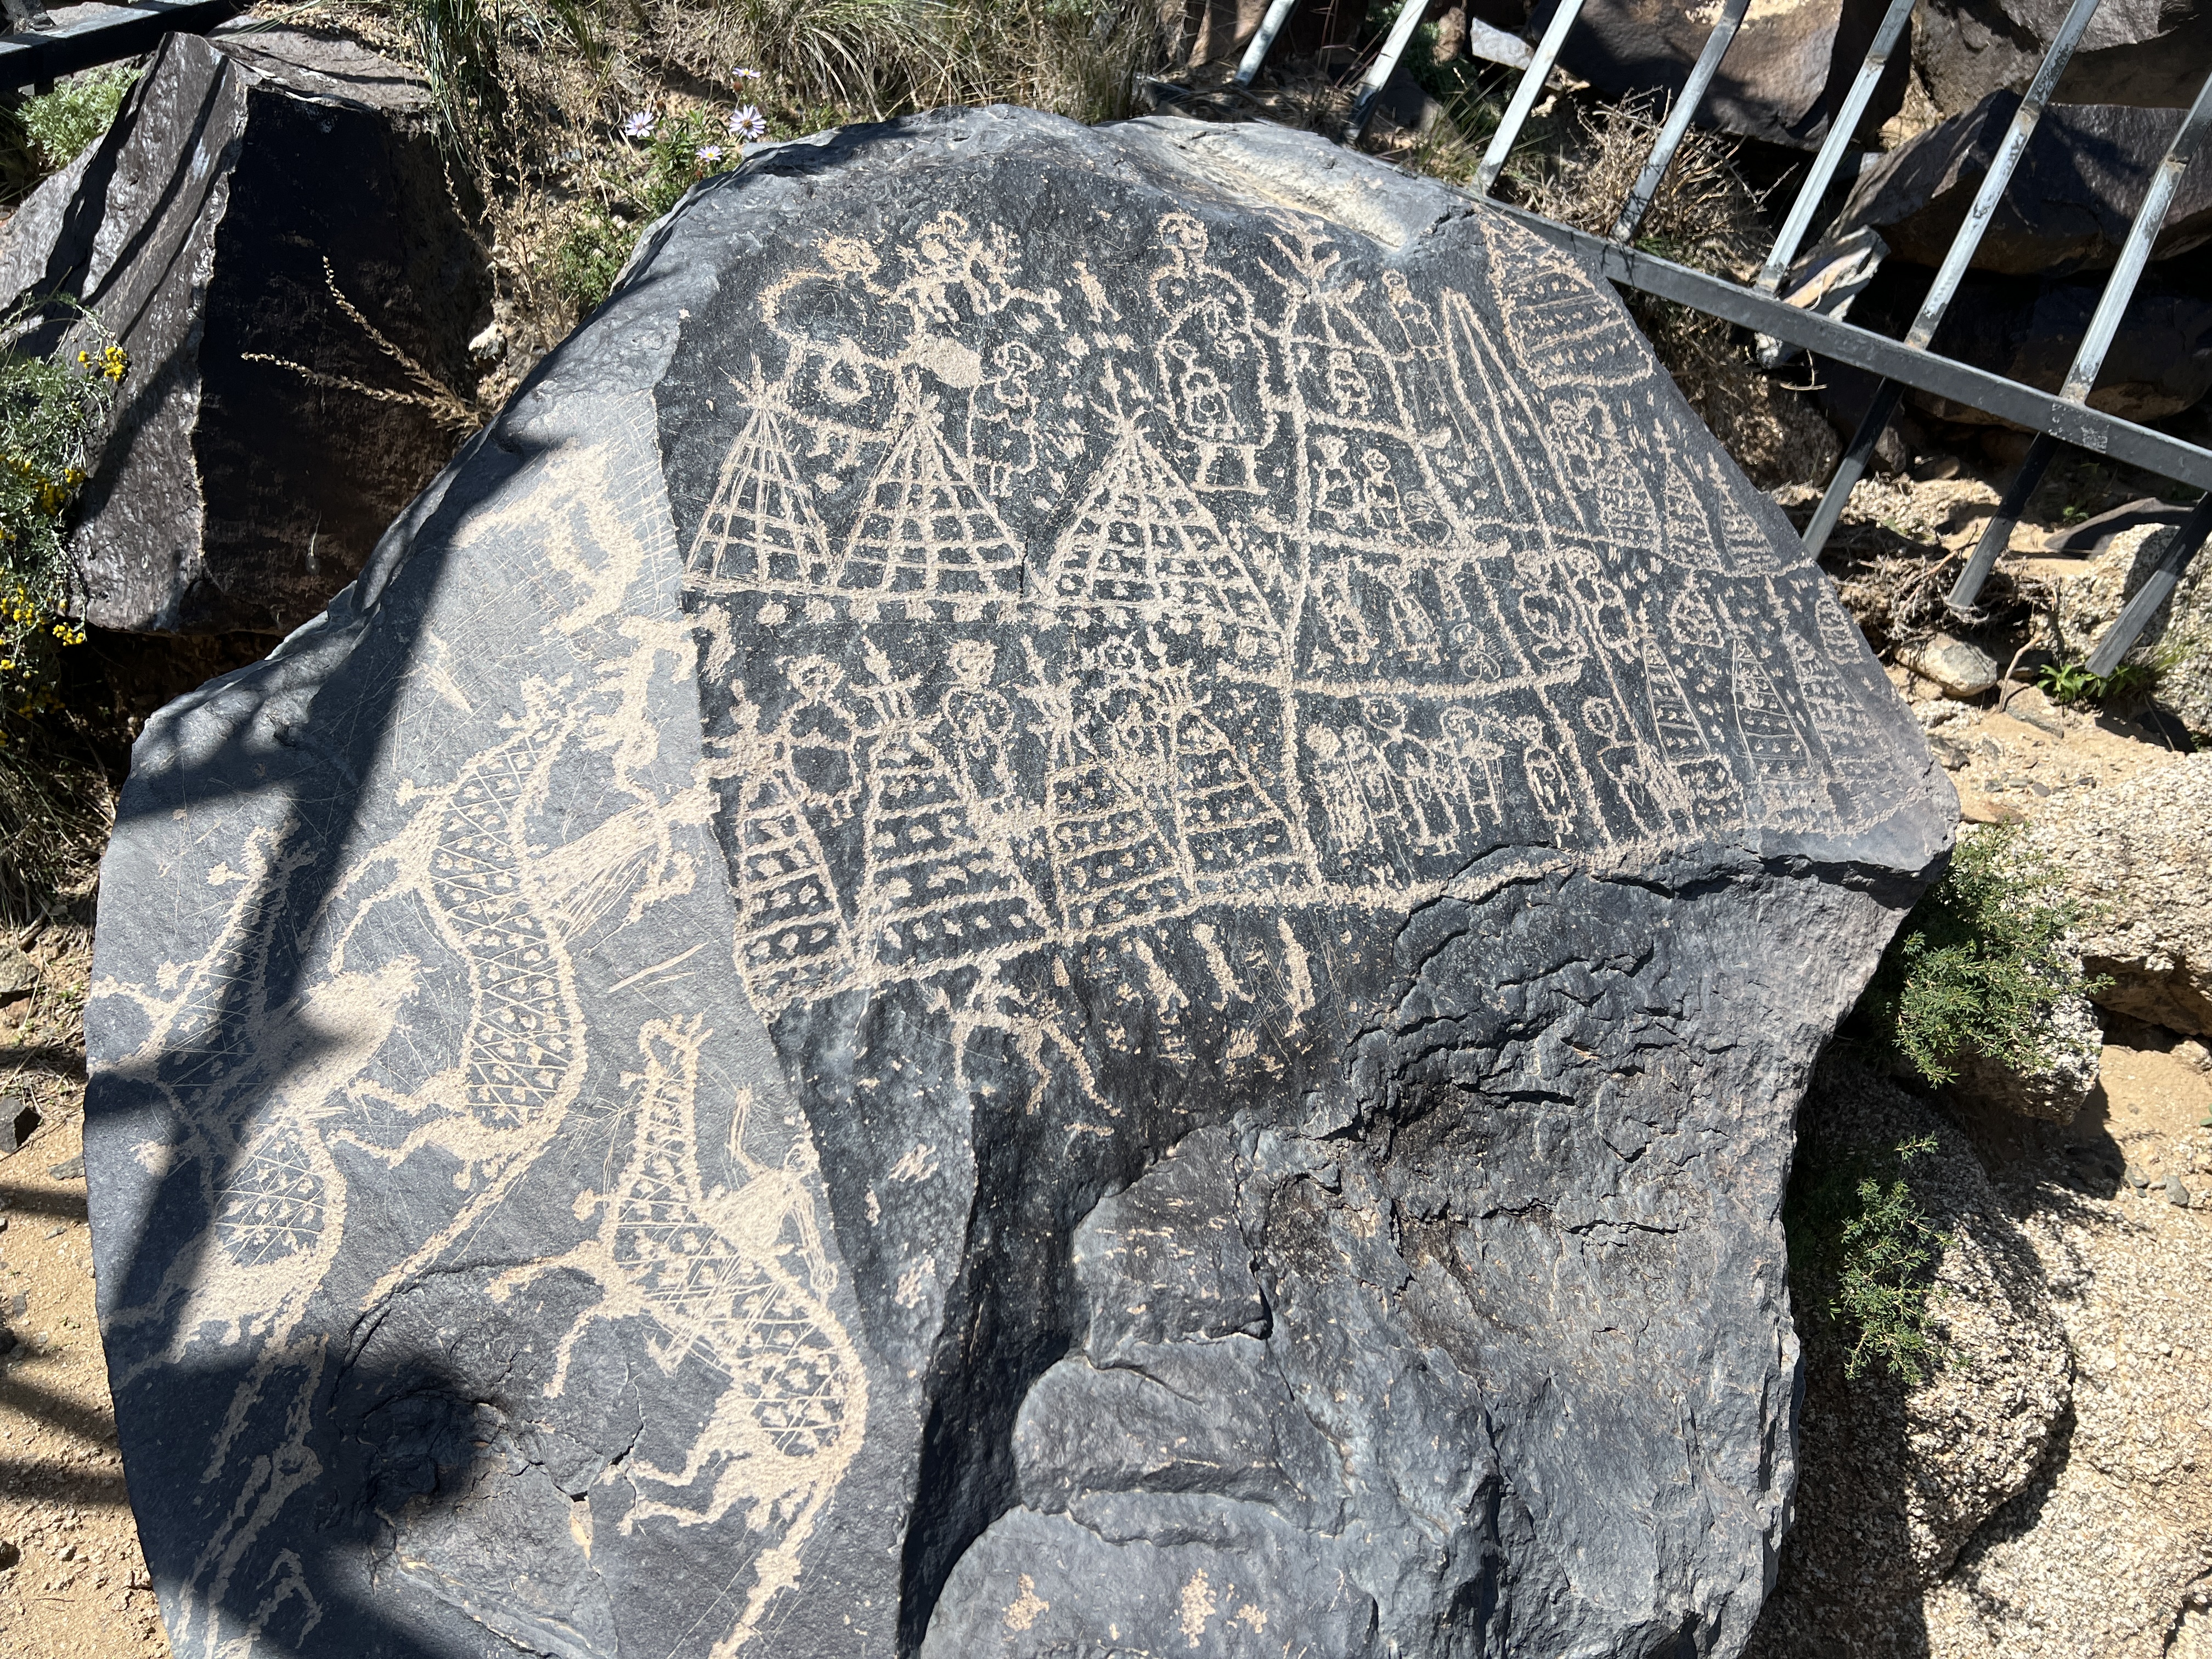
point(1298, 587)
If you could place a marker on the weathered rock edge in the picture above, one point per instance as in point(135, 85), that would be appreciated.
point(1455, 1322)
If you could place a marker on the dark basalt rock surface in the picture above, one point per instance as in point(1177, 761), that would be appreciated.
point(2159, 363)
point(2069, 207)
point(2149, 52)
point(1072, 904)
point(245, 176)
point(1785, 75)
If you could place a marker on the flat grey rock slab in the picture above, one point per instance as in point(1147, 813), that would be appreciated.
point(1962, 668)
point(1070, 904)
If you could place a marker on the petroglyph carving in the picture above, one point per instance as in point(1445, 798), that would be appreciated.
point(1287, 639)
point(1080, 670)
point(732, 1276)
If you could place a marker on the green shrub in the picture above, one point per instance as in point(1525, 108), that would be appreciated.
point(2071, 683)
point(1979, 964)
point(1864, 1255)
point(58, 124)
point(52, 408)
point(591, 256)
point(670, 155)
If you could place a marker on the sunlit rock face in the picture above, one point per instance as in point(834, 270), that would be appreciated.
point(1071, 905)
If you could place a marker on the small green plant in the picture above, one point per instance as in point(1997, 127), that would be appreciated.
point(52, 408)
point(672, 153)
point(2072, 683)
point(682, 150)
point(1864, 1253)
point(591, 256)
point(1979, 964)
point(58, 124)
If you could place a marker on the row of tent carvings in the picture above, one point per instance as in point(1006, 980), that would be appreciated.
point(2106, 184)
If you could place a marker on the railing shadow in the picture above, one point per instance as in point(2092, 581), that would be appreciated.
point(237, 752)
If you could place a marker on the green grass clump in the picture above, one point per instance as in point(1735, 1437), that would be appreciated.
point(2072, 683)
point(58, 125)
point(670, 154)
point(1865, 1252)
point(1979, 964)
point(52, 409)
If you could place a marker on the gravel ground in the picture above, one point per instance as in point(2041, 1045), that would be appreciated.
point(2108, 1553)
point(72, 1583)
point(2105, 1553)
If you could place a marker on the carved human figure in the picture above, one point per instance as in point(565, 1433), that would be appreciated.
point(1211, 361)
point(1479, 745)
point(1411, 624)
point(1623, 759)
point(1370, 770)
point(1341, 620)
point(1007, 418)
point(1344, 799)
point(820, 732)
point(980, 724)
point(1547, 780)
point(1556, 640)
point(1423, 791)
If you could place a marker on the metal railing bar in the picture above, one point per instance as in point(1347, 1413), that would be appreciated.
point(1996, 534)
point(31, 58)
point(1677, 126)
point(2089, 356)
point(1979, 217)
point(1955, 261)
point(1900, 364)
point(2173, 565)
point(1831, 155)
point(1852, 466)
point(1270, 26)
point(2135, 252)
point(1525, 96)
point(1378, 72)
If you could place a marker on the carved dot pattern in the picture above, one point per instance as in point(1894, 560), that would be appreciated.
point(272, 1206)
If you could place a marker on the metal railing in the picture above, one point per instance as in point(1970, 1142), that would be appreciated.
point(2064, 418)
point(42, 44)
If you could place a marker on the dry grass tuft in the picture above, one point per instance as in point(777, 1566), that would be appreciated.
point(57, 811)
point(537, 99)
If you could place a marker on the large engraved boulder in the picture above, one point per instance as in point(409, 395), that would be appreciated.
point(1072, 904)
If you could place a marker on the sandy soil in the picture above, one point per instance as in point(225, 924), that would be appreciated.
point(2108, 1553)
point(72, 1582)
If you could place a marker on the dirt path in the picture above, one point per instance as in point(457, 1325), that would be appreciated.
point(72, 1582)
point(2108, 1553)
